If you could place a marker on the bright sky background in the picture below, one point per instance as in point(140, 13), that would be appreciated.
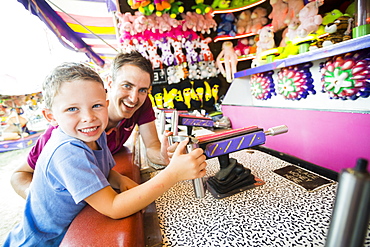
point(28, 50)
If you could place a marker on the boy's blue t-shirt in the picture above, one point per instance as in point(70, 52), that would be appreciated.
point(68, 171)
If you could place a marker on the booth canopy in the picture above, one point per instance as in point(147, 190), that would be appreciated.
point(81, 25)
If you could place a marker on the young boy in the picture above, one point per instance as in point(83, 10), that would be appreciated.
point(75, 166)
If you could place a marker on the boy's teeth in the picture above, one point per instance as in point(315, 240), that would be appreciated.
point(89, 130)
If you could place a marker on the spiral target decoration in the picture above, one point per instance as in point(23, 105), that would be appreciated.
point(295, 82)
point(262, 85)
point(347, 76)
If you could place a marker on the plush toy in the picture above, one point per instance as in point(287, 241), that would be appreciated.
point(230, 61)
point(174, 23)
point(167, 57)
point(205, 53)
point(190, 21)
point(226, 26)
point(195, 101)
point(179, 56)
point(172, 75)
point(201, 8)
point(211, 90)
point(259, 19)
point(212, 69)
point(198, 87)
point(191, 54)
point(153, 55)
point(209, 23)
point(244, 22)
point(204, 73)
point(139, 23)
point(176, 9)
point(265, 39)
point(169, 96)
point(186, 93)
point(265, 42)
point(220, 4)
point(194, 72)
point(242, 47)
point(309, 18)
point(278, 14)
point(161, 6)
point(135, 4)
point(339, 30)
point(157, 93)
point(291, 32)
point(147, 10)
point(331, 16)
point(294, 6)
point(163, 25)
point(125, 24)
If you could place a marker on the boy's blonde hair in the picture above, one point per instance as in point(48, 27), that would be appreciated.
point(66, 72)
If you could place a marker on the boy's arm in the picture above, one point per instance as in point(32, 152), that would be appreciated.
point(21, 179)
point(182, 167)
point(120, 182)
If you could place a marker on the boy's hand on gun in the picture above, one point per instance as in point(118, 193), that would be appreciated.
point(185, 166)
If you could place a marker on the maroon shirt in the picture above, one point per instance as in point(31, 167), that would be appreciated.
point(116, 137)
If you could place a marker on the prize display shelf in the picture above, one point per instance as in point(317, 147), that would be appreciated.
point(333, 50)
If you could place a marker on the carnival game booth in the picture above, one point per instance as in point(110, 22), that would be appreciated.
point(301, 63)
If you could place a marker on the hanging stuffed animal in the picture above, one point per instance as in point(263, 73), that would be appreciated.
point(157, 93)
point(172, 75)
point(153, 55)
point(186, 93)
point(201, 8)
point(205, 51)
point(228, 66)
point(294, 6)
point(198, 86)
point(180, 58)
point(167, 57)
point(278, 14)
point(191, 54)
point(195, 102)
point(169, 96)
point(194, 72)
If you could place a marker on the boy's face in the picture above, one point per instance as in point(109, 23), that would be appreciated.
point(80, 108)
point(128, 92)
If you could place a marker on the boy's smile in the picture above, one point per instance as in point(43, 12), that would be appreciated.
point(81, 115)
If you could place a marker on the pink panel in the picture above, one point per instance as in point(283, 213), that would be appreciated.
point(333, 140)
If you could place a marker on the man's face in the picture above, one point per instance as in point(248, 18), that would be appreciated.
point(128, 92)
point(80, 109)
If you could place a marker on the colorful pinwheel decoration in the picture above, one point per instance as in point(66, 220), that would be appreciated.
point(347, 76)
point(262, 85)
point(295, 82)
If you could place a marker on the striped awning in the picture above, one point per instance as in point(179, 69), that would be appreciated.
point(83, 25)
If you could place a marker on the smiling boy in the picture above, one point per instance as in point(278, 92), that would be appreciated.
point(75, 166)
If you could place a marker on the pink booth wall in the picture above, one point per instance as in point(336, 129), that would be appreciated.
point(334, 140)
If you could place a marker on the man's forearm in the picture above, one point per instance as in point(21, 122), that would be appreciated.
point(156, 157)
point(20, 182)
